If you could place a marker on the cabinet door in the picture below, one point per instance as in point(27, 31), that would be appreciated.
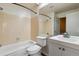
point(70, 52)
point(54, 49)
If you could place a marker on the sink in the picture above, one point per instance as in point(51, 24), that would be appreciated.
point(72, 39)
point(61, 38)
point(69, 39)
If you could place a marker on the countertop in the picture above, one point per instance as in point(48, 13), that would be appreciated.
point(72, 42)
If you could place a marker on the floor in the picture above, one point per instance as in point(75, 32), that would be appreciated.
point(38, 55)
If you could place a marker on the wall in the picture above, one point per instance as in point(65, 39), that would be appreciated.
point(45, 25)
point(56, 26)
point(73, 23)
point(34, 27)
point(52, 15)
point(13, 28)
point(48, 27)
point(41, 24)
point(63, 14)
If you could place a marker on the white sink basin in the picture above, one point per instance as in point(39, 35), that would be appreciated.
point(72, 39)
point(69, 39)
point(61, 38)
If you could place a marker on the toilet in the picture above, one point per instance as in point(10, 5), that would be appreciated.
point(34, 50)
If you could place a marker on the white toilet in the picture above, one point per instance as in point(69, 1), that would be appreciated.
point(35, 49)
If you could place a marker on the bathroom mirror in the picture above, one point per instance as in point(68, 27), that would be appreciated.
point(64, 18)
point(46, 23)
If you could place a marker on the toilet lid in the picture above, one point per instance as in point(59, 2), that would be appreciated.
point(33, 48)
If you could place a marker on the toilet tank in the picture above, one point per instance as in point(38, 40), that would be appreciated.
point(41, 40)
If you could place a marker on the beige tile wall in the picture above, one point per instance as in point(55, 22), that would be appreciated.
point(48, 27)
point(13, 27)
point(34, 27)
point(24, 28)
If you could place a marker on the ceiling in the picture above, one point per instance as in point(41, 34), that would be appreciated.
point(59, 7)
point(18, 7)
point(14, 9)
point(32, 6)
point(56, 7)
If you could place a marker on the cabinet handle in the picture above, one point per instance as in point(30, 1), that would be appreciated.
point(59, 48)
point(63, 49)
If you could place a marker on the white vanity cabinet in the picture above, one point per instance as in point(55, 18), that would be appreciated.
point(56, 49)
point(21, 52)
point(68, 51)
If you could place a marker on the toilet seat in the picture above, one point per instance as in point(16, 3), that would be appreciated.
point(33, 49)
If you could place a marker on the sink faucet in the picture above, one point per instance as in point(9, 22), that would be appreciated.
point(66, 35)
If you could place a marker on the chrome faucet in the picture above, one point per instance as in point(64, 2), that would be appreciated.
point(66, 35)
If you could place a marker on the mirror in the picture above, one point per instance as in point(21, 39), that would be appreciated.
point(64, 17)
point(46, 22)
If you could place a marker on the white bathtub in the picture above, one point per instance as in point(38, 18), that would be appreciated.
point(15, 49)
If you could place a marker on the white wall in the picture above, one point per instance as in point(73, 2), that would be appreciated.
point(72, 23)
point(52, 15)
point(42, 20)
point(56, 26)
point(63, 14)
point(46, 25)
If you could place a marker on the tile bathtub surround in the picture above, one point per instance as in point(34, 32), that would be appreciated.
point(13, 27)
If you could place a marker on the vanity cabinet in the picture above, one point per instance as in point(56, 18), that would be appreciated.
point(68, 51)
point(54, 49)
point(61, 50)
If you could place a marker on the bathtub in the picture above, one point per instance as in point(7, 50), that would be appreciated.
point(16, 49)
